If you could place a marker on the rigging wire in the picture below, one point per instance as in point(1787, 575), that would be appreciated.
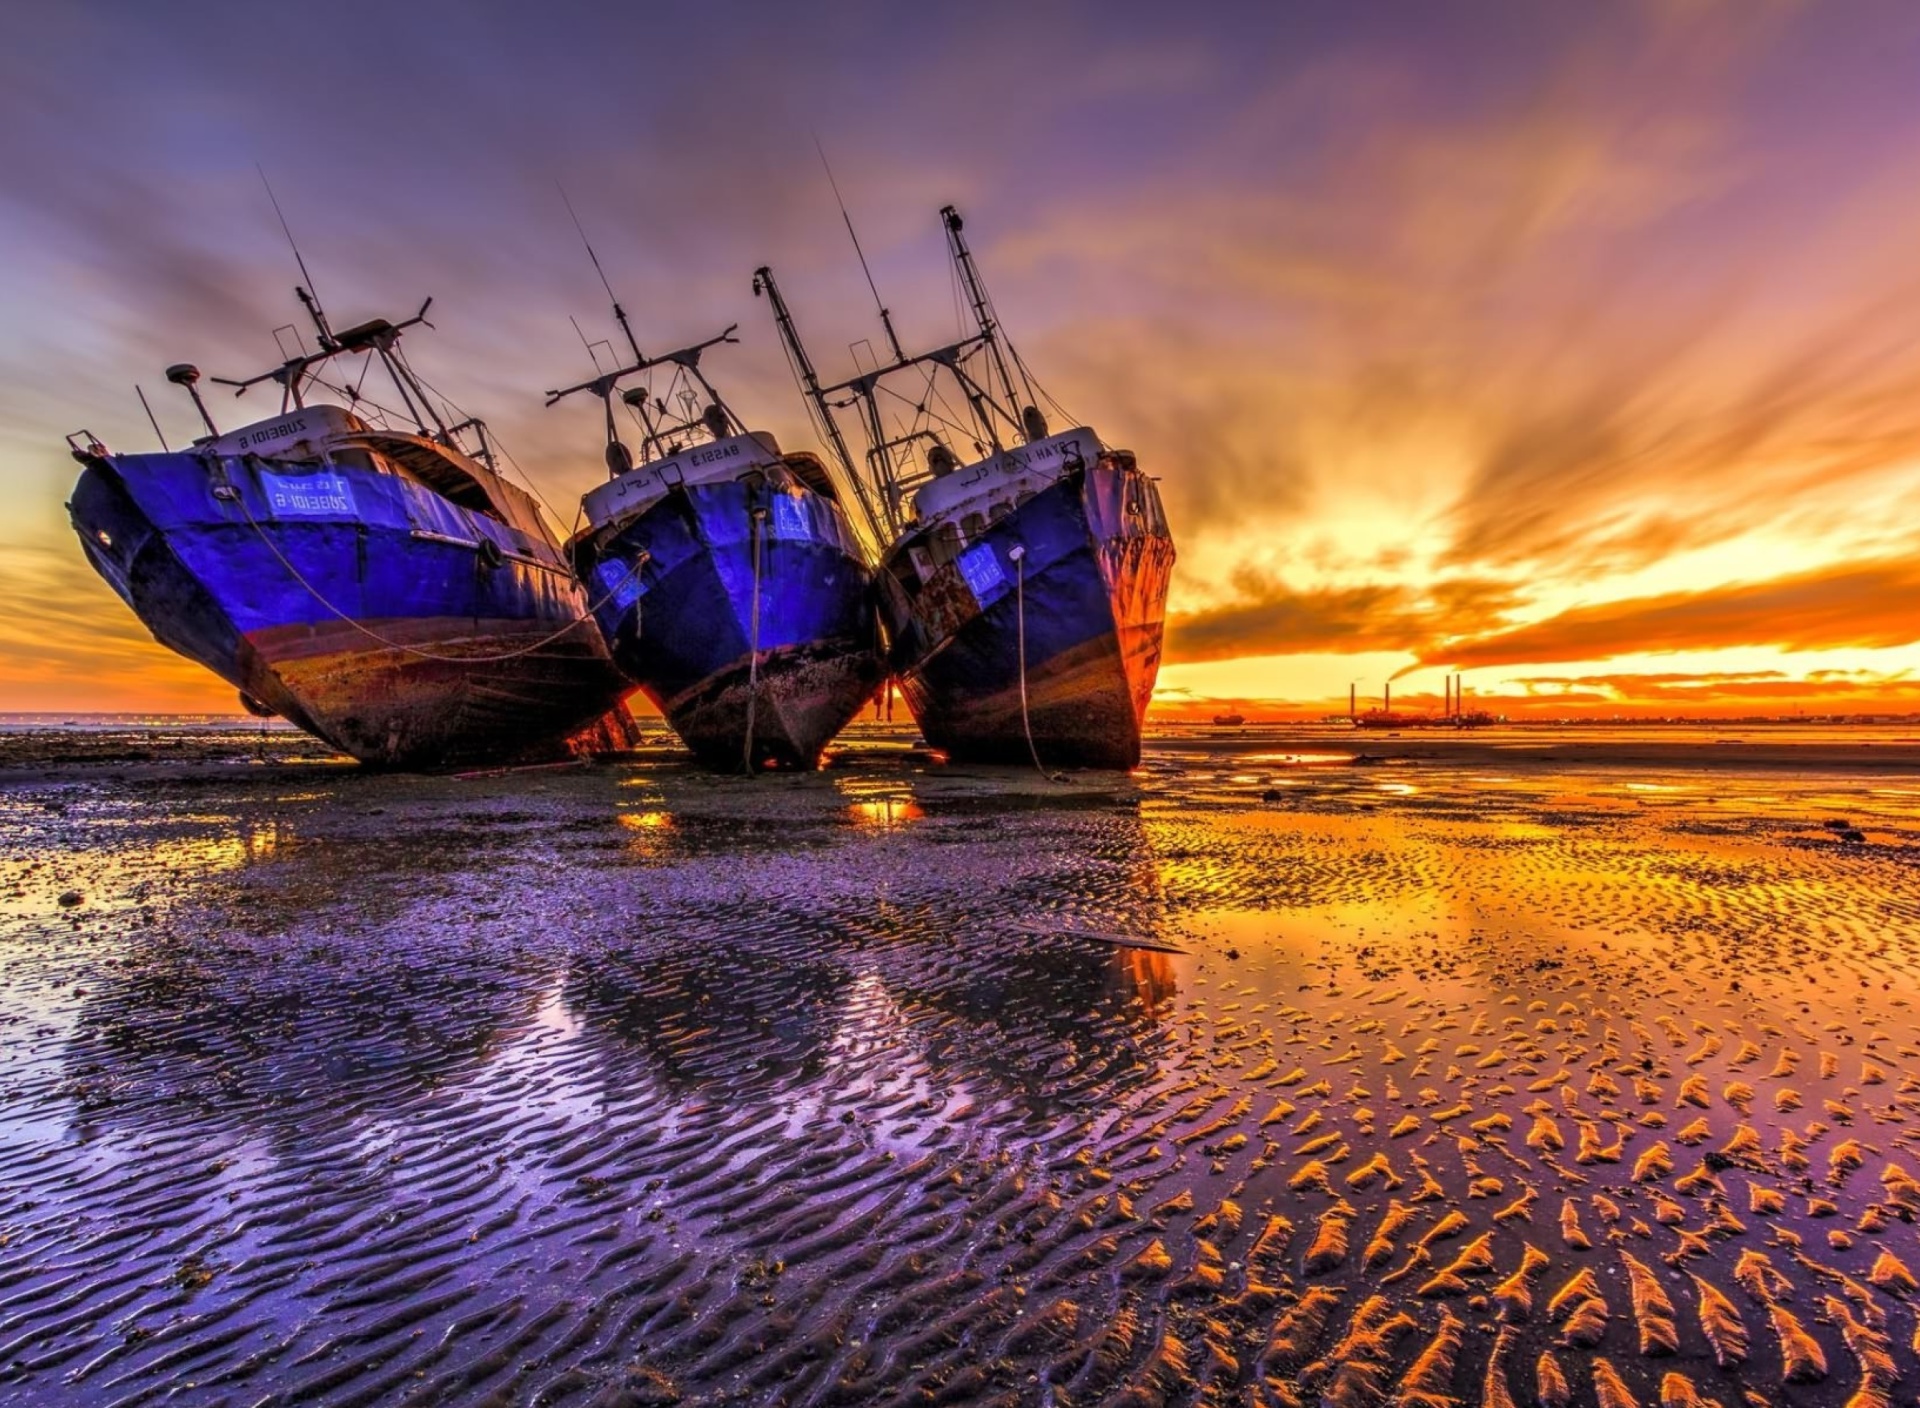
point(381, 412)
point(287, 230)
point(498, 443)
point(925, 412)
point(589, 244)
point(885, 318)
point(366, 366)
point(1019, 556)
point(757, 527)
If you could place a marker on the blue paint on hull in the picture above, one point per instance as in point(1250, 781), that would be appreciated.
point(1088, 594)
point(681, 625)
point(405, 567)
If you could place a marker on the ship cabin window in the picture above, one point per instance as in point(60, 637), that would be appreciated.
point(447, 472)
point(459, 489)
point(947, 542)
point(355, 459)
point(998, 510)
point(922, 564)
point(974, 524)
point(809, 470)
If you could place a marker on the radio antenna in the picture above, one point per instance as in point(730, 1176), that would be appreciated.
point(619, 313)
point(150, 418)
point(310, 296)
point(592, 356)
point(886, 318)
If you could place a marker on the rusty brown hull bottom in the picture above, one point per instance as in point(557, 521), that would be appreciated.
point(801, 697)
point(1082, 712)
point(443, 693)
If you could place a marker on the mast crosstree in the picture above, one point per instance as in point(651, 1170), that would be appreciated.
point(997, 411)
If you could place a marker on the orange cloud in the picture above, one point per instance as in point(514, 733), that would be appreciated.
point(1272, 618)
point(1866, 605)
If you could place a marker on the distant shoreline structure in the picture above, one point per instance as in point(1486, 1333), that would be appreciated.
point(76, 718)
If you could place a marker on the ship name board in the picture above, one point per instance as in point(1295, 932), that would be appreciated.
point(308, 496)
point(279, 430)
point(711, 454)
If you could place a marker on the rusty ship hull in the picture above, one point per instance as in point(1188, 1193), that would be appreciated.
point(1081, 607)
point(677, 590)
point(395, 625)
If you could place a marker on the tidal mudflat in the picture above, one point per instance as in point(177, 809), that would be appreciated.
point(1480, 1071)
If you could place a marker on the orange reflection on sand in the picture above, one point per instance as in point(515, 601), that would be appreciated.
point(885, 813)
point(652, 830)
point(1144, 976)
point(1299, 759)
point(647, 821)
point(884, 806)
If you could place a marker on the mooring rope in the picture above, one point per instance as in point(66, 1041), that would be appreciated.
point(413, 650)
point(756, 525)
point(1019, 556)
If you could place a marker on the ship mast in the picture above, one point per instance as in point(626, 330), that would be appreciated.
point(982, 310)
point(377, 337)
point(821, 412)
point(659, 433)
point(883, 489)
point(717, 419)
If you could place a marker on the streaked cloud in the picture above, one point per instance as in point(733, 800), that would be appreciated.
point(1463, 334)
point(1869, 605)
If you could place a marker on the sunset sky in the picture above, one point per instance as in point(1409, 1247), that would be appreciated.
point(1572, 346)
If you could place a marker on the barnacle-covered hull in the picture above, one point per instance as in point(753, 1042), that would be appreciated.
point(1076, 617)
point(397, 626)
point(677, 588)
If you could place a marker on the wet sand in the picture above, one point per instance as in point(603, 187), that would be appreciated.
point(1478, 1071)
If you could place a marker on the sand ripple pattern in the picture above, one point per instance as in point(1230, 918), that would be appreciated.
point(622, 1085)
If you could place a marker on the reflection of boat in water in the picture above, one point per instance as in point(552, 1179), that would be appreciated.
point(386, 590)
point(1042, 1021)
point(726, 1017)
point(286, 1038)
point(1023, 590)
point(730, 585)
point(715, 1014)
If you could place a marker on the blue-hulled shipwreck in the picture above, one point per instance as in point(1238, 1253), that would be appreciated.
point(729, 583)
point(383, 589)
point(1023, 592)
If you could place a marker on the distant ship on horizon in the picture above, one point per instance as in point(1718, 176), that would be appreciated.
point(1023, 589)
point(384, 589)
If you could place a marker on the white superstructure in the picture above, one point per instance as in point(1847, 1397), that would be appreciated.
point(629, 495)
point(1008, 477)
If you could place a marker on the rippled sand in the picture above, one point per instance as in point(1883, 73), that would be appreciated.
point(1481, 1075)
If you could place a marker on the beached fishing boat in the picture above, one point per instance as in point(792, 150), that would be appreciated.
point(729, 584)
point(384, 589)
point(1024, 591)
